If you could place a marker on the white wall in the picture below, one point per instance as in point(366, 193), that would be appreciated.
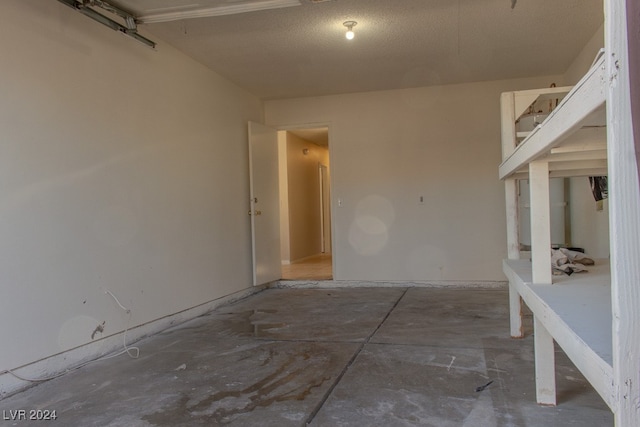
point(585, 58)
point(589, 226)
point(121, 169)
point(557, 205)
point(390, 148)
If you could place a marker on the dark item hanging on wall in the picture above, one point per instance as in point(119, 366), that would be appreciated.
point(599, 187)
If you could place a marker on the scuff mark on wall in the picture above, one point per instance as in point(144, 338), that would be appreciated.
point(99, 328)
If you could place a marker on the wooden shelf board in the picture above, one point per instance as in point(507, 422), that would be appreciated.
point(576, 310)
point(524, 98)
point(584, 105)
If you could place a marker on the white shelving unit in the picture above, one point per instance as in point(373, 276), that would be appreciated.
point(594, 316)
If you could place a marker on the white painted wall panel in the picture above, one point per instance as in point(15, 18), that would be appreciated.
point(121, 169)
point(390, 148)
point(585, 58)
point(589, 226)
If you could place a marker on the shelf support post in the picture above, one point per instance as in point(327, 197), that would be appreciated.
point(540, 222)
point(622, 43)
point(508, 123)
point(545, 364)
point(513, 252)
point(507, 110)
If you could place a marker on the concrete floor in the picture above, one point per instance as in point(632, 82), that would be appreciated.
point(327, 357)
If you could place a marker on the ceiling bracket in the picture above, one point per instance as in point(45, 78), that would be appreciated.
point(130, 27)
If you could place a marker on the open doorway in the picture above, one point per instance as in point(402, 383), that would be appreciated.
point(305, 204)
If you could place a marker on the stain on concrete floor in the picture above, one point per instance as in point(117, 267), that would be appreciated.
point(338, 357)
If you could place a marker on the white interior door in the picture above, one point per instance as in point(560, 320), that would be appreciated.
point(264, 207)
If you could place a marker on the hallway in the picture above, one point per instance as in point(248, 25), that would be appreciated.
point(326, 357)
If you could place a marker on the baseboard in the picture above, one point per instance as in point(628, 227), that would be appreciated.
point(61, 363)
point(479, 284)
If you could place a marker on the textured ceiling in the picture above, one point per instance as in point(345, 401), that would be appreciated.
point(301, 50)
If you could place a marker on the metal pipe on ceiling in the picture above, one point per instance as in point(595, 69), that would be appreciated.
point(131, 30)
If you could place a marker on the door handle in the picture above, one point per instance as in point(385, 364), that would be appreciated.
point(257, 212)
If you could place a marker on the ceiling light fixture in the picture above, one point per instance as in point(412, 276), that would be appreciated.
point(350, 24)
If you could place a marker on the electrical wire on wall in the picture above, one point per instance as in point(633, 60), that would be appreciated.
point(128, 350)
point(132, 352)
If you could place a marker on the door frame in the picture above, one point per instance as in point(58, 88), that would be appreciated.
point(325, 198)
point(333, 205)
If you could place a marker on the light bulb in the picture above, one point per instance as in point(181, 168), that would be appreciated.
point(350, 24)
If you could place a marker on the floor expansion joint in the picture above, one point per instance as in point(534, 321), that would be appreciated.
point(351, 361)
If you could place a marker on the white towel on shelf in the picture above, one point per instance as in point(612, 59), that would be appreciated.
point(565, 261)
